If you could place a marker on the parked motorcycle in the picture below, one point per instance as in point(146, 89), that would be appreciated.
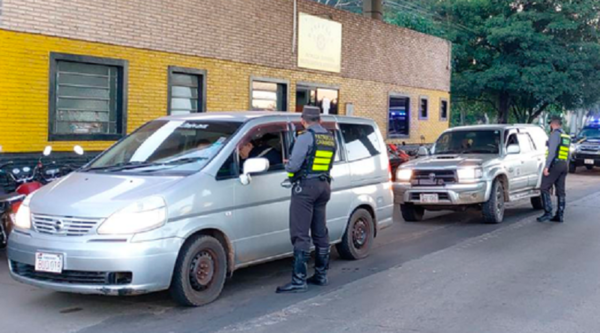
point(397, 156)
point(27, 181)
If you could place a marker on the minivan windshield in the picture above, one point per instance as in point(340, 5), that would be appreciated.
point(468, 142)
point(168, 146)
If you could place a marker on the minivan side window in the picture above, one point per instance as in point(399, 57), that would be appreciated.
point(361, 141)
point(298, 128)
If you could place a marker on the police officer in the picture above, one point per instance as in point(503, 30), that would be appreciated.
point(555, 171)
point(309, 169)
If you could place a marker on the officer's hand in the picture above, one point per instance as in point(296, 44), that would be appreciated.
point(546, 172)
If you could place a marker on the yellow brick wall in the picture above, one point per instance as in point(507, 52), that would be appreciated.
point(24, 70)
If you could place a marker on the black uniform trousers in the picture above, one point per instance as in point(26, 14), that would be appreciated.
point(557, 178)
point(308, 214)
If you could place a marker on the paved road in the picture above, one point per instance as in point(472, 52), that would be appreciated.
point(447, 274)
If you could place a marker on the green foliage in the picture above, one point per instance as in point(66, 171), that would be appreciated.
point(518, 57)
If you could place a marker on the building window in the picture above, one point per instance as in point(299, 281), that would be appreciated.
point(269, 95)
point(88, 98)
point(423, 108)
point(399, 117)
point(443, 110)
point(186, 90)
point(327, 99)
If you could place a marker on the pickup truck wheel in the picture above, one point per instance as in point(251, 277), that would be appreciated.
point(493, 209)
point(200, 272)
point(412, 213)
point(358, 237)
point(589, 167)
point(537, 203)
point(572, 168)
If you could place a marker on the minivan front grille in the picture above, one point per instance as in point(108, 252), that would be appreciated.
point(63, 226)
point(72, 277)
point(434, 177)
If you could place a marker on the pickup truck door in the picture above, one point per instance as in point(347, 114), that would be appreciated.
point(518, 178)
point(529, 160)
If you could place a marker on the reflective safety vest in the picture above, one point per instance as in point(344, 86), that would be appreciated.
point(562, 153)
point(320, 158)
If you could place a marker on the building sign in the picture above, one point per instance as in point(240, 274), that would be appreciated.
point(319, 43)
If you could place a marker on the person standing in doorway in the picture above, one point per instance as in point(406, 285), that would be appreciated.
point(555, 172)
point(309, 170)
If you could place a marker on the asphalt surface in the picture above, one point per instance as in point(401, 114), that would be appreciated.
point(450, 273)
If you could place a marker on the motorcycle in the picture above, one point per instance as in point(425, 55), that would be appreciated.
point(27, 181)
point(397, 157)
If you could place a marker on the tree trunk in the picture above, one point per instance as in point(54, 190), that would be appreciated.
point(503, 108)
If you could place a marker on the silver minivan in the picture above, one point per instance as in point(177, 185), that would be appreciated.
point(184, 201)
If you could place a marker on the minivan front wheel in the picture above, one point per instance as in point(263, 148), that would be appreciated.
point(200, 272)
point(359, 236)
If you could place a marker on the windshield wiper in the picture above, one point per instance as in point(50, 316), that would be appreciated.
point(139, 165)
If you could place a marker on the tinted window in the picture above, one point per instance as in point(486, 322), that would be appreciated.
point(361, 141)
point(298, 128)
point(399, 117)
point(468, 142)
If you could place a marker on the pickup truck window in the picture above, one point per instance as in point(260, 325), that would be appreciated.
point(468, 142)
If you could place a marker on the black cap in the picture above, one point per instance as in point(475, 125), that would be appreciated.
point(311, 112)
point(555, 119)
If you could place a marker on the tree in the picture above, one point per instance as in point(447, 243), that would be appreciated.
point(519, 57)
point(350, 5)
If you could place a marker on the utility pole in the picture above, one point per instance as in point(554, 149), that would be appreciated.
point(373, 9)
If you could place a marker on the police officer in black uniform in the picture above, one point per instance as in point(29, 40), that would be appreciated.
point(556, 171)
point(309, 169)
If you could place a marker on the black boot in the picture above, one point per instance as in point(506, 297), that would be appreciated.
point(560, 212)
point(298, 284)
point(321, 267)
point(547, 208)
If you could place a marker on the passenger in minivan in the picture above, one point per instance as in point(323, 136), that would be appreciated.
point(264, 148)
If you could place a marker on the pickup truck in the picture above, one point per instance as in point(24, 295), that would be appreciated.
point(586, 149)
point(481, 167)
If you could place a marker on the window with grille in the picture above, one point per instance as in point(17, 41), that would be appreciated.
point(87, 98)
point(186, 90)
point(269, 95)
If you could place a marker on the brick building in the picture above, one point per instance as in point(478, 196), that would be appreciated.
point(88, 72)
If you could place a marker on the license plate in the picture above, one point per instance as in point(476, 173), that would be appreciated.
point(47, 262)
point(430, 198)
point(588, 161)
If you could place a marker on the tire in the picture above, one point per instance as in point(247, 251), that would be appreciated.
point(359, 236)
point(412, 213)
point(572, 168)
point(589, 167)
point(206, 256)
point(537, 203)
point(493, 209)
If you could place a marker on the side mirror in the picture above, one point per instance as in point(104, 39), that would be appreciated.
point(78, 150)
point(423, 151)
point(253, 165)
point(513, 149)
point(47, 150)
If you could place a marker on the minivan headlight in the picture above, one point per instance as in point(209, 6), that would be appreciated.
point(404, 175)
point(140, 216)
point(22, 219)
point(469, 175)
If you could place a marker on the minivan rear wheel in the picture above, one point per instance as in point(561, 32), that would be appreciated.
point(412, 213)
point(359, 236)
point(200, 271)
